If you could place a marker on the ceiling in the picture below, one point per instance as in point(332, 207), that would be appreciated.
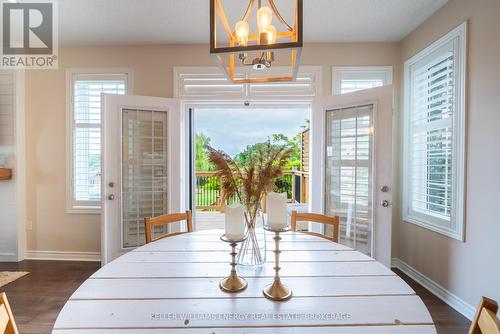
point(114, 22)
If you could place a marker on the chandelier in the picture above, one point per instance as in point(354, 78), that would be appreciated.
point(261, 39)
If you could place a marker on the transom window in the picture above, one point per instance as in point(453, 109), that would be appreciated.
point(353, 78)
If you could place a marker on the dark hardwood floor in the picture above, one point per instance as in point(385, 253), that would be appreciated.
point(37, 298)
point(446, 319)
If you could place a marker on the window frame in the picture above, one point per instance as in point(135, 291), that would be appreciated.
point(340, 72)
point(71, 75)
point(456, 229)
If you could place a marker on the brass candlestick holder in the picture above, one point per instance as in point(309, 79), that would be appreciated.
point(233, 283)
point(277, 291)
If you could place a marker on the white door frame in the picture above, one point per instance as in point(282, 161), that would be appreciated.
point(192, 100)
point(19, 170)
point(227, 103)
point(380, 97)
point(20, 143)
point(110, 161)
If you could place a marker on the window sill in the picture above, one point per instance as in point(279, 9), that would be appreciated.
point(454, 234)
point(87, 210)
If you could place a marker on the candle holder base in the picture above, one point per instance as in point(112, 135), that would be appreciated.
point(277, 291)
point(233, 284)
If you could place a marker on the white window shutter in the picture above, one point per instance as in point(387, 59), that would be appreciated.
point(6, 107)
point(348, 79)
point(86, 134)
point(210, 83)
point(430, 142)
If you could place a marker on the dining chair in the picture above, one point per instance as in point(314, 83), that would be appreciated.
point(317, 218)
point(7, 324)
point(151, 222)
point(486, 320)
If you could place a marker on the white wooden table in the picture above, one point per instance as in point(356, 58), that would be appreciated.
point(171, 286)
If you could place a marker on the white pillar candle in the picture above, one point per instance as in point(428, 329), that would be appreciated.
point(277, 216)
point(235, 222)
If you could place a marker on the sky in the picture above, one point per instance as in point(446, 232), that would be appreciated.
point(232, 129)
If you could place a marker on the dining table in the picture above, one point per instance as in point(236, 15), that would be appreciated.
point(172, 286)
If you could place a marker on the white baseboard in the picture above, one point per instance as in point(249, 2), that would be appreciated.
point(63, 256)
point(8, 257)
point(446, 296)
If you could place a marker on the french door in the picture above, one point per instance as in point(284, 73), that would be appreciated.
point(355, 132)
point(141, 167)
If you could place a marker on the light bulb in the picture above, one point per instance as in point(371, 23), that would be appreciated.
point(264, 17)
point(272, 33)
point(242, 28)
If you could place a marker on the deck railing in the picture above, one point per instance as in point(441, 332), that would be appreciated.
point(208, 189)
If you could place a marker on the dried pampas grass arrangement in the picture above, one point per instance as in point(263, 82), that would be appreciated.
point(250, 182)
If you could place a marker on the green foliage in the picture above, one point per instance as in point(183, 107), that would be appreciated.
point(211, 186)
point(202, 164)
point(276, 141)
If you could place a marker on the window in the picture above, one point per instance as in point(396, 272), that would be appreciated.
point(351, 79)
point(84, 137)
point(204, 82)
point(349, 169)
point(433, 193)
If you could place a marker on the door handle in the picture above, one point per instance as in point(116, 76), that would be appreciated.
point(111, 197)
point(385, 203)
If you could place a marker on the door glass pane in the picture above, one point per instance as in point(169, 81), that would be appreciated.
point(144, 171)
point(349, 147)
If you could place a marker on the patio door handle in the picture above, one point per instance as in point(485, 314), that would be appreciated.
point(111, 197)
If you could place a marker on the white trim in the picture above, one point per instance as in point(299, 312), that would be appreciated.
point(436, 289)
point(63, 256)
point(70, 73)
point(20, 149)
point(457, 229)
point(338, 72)
point(9, 257)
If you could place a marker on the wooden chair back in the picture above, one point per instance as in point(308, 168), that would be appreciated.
point(486, 320)
point(317, 218)
point(151, 222)
point(7, 324)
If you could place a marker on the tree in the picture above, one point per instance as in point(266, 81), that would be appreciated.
point(276, 140)
point(202, 164)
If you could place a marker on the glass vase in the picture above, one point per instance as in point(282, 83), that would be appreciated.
point(252, 251)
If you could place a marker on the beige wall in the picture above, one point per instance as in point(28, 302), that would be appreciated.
point(55, 230)
point(469, 269)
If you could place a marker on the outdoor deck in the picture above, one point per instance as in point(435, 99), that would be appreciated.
point(206, 220)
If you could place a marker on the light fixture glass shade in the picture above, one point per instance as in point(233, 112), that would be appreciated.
point(271, 33)
point(241, 30)
point(261, 42)
point(264, 18)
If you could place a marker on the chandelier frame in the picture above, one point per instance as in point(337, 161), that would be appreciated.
point(294, 32)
